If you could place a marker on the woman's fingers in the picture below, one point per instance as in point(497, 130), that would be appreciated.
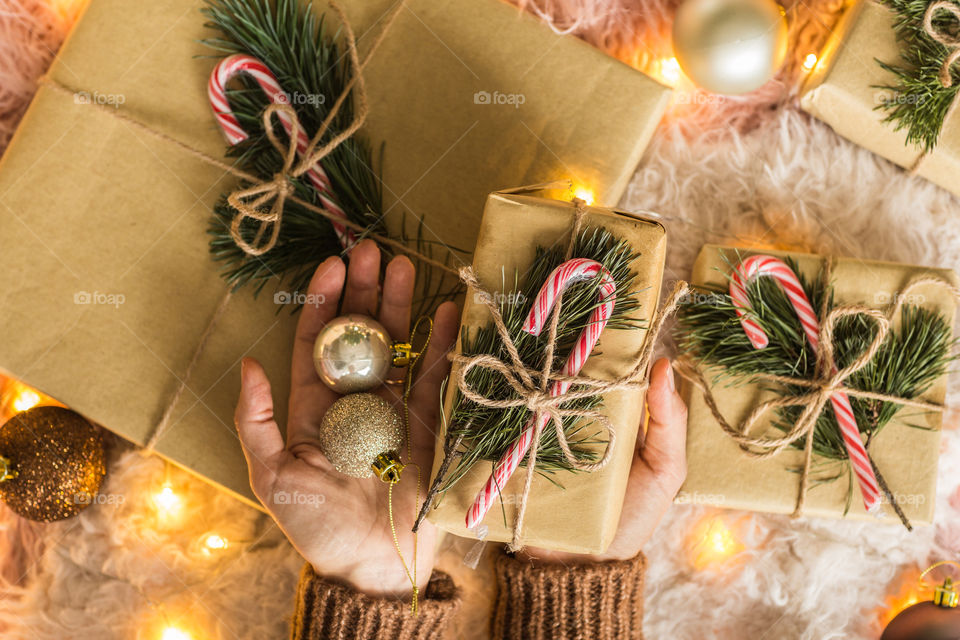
point(664, 448)
point(363, 280)
point(307, 393)
point(434, 367)
point(258, 431)
point(398, 297)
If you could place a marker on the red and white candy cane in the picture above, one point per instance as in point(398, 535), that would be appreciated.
point(563, 276)
point(761, 265)
point(216, 90)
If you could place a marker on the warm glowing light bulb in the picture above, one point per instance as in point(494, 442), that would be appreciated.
point(670, 71)
point(584, 194)
point(215, 542)
point(712, 543)
point(167, 501)
point(173, 633)
point(810, 61)
point(26, 399)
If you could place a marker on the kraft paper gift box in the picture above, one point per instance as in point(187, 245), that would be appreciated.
point(108, 285)
point(843, 91)
point(581, 515)
point(720, 474)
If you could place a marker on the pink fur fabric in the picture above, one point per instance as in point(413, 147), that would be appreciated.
point(30, 34)
point(745, 170)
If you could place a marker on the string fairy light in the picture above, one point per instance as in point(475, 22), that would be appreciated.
point(584, 193)
point(713, 542)
point(810, 61)
point(175, 633)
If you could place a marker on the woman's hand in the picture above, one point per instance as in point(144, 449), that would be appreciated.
point(338, 523)
point(657, 473)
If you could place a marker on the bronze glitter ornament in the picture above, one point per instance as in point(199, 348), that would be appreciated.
point(938, 619)
point(361, 435)
point(354, 353)
point(51, 463)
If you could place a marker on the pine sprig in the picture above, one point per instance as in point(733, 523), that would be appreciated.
point(920, 102)
point(910, 359)
point(489, 432)
point(311, 67)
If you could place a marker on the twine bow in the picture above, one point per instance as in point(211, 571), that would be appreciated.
point(949, 40)
point(531, 386)
point(821, 386)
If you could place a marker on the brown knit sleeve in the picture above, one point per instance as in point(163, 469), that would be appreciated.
point(598, 601)
point(330, 610)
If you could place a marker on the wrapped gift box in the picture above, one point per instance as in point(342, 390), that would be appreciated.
point(720, 474)
point(108, 285)
point(581, 515)
point(844, 91)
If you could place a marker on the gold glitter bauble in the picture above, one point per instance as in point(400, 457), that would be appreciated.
point(358, 428)
point(58, 460)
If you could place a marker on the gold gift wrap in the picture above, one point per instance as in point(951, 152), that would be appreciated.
point(721, 474)
point(108, 283)
point(843, 91)
point(582, 515)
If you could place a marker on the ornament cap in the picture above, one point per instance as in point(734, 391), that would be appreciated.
point(7, 472)
point(946, 595)
point(403, 354)
point(388, 467)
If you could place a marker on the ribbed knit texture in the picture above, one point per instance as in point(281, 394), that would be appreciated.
point(331, 611)
point(540, 601)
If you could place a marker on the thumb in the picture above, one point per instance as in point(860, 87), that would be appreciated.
point(664, 448)
point(258, 431)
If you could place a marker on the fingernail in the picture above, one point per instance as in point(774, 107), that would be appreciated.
point(243, 371)
point(671, 378)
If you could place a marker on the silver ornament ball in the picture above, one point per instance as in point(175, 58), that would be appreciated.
point(356, 429)
point(353, 353)
point(730, 46)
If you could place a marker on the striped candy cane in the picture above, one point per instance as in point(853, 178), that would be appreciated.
point(756, 266)
point(563, 276)
point(216, 90)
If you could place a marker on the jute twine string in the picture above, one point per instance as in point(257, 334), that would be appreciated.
point(952, 42)
point(821, 386)
point(531, 386)
point(262, 200)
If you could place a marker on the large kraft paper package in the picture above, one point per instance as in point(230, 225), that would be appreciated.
point(582, 515)
point(720, 474)
point(844, 90)
point(108, 285)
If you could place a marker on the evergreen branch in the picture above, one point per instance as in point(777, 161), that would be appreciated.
point(920, 102)
point(910, 359)
point(311, 67)
point(488, 432)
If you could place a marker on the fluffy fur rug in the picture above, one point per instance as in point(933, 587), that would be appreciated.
point(750, 170)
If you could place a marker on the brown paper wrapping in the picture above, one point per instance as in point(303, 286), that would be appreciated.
point(93, 207)
point(583, 516)
point(720, 474)
point(843, 91)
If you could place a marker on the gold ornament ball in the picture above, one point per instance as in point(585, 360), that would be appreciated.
point(358, 428)
point(58, 459)
point(353, 353)
point(730, 46)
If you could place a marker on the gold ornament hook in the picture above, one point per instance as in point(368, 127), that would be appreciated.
point(944, 595)
point(7, 471)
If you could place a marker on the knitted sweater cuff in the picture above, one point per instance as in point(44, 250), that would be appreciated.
point(327, 609)
point(602, 600)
